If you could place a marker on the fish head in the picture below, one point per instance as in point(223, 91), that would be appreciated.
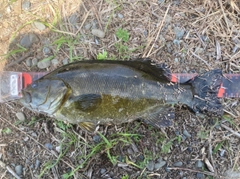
point(45, 95)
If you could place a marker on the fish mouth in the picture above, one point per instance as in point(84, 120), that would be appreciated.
point(27, 97)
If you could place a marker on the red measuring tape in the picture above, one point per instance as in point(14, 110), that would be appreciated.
point(230, 87)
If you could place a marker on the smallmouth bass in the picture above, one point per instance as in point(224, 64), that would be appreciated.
point(94, 92)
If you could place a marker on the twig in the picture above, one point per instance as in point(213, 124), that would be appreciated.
point(96, 14)
point(232, 131)
point(20, 59)
point(85, 18)
point(12, 172)
point(224, 15)
point(159, 30)
point(6, 121)
point(196, 171)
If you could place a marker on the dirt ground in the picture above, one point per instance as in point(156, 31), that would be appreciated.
point(190, 36)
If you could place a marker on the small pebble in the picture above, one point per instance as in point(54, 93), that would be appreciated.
point(159, 164)
point(150, 165)
point(43, 64)
point(26, 5)
point(200, 175)
point(121, 158)
point(102, 170)
point(88, 26)
point(34, 134)
point(54, 62)
point(176, 42)
point(8, 9)
point(96, 139)
point(73, 19)
point(98, 33)
point(199, 164)
point(177, 164)
point(160, 1)
point(40, 26)
point(34, 61)
point(167, 169)
point(20, 116)
point(37, 164)
point(46, 51)
point(186, 133)
point(48, 146)
point(29, 62)
point(58, 149)
point(19, 170)
point(222, 153)
point(130, 151)
point(26, 139)
point(176, 60)
point(120, 16)
point(179, 32)
point(28, 40)
point(184, 178)
point(140, 158)
point(65, 61)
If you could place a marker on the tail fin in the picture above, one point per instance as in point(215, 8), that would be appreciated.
point(205, 90)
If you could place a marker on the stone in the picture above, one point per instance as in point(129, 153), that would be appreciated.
point(29, 62)
point(73, 19)
point(179, 32)
point(43, 64)
point(200, 175)
point(87, 26)
point(55, 62)
point(20, 116)
point(37, 164)
point(177, 164)
point(98, 33)
point(40, 26)
point(65, 61)
point(186, 133)
point(46, 51)
point(28, 40)
point(26, 5)
point(96, 139)
point(159, 164)
point(34, 61)
point(150, 165)
point(120, 16)
point(48, 146)
point(19, 170)
point(199, 164)
point(102, 170)
point(58, 149)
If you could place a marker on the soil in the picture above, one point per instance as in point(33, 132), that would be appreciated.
point(189, 36)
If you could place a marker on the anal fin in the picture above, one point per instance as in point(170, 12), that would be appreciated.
point(162, 117)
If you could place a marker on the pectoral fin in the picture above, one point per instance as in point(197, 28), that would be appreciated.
point(89, 126)
point(162, 117)
point(87, 102)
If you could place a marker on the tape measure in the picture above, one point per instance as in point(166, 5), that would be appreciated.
point(230, 87)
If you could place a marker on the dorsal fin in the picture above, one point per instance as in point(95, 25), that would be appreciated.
point(160, 71)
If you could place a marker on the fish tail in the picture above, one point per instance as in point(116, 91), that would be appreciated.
point(205, 90)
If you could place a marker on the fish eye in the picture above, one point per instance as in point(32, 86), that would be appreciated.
point(34, 85)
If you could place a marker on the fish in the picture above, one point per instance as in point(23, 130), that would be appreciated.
point(93, 92)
